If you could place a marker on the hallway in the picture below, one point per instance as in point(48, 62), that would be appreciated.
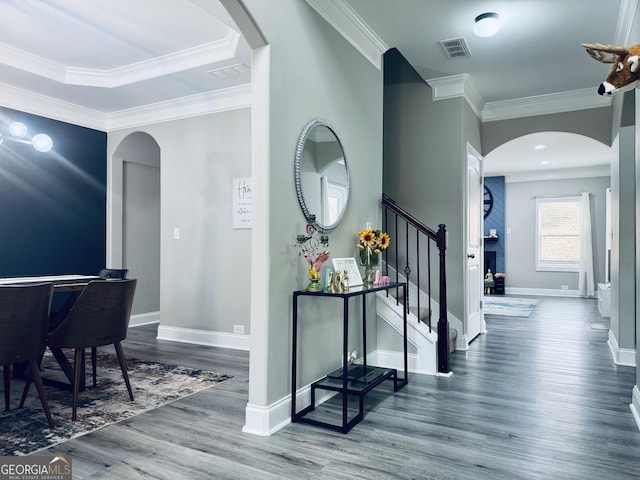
point(536, 398)
point(544, 397)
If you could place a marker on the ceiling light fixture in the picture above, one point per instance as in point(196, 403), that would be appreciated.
point(18, 133)
point(487, 24)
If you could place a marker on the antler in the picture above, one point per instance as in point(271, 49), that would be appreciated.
point(604, 53)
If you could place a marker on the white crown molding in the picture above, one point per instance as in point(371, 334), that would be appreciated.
point(555, 174)
point(457, 86)
point(205, 54)
point(192, 106)
point(340, 15)
point(544, 105)
point(21, 60)
point(49, 107)
point(462, 86)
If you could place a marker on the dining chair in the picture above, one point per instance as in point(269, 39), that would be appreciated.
point(106, 273)
point(24, 317)
point(119, 273)
point(99, 317)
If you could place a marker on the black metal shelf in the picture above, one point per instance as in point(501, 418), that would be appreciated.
point(354, 380)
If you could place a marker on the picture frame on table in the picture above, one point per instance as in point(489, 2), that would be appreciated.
point(351, 266)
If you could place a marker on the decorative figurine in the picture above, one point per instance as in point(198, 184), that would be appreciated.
point(345, 281)
point(337, 282)
point(330, 286)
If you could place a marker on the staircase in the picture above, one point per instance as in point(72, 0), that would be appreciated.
point(423, 342)
point(410, 253)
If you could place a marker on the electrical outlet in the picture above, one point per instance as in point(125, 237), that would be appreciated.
point(564, 287)
point(176, 234)
point(238, 329)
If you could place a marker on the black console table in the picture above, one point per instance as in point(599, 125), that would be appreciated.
point(349, 380)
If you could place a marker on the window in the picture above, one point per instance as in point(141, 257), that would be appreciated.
point(558, 234)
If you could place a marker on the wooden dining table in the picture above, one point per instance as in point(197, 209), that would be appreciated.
point(70, 283)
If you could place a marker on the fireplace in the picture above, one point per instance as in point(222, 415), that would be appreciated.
point(490, 262)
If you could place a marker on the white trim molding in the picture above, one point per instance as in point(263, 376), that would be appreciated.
point(144, 319)
point(191, 106)
point(544, 104)
point(265, 421)
point(204, 337)
point(543, 292)
point(635, 405)
point(205, 54)
point(340, 15)
point(185, 107)
point(621, 356)
point(49, 107)
point(462, 85)
point(455, 86)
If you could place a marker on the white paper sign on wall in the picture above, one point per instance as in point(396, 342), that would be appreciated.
point(242, 202)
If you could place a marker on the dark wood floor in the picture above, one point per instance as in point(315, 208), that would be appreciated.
point(534, 398)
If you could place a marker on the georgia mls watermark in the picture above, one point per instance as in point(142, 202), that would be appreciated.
point(35, 468)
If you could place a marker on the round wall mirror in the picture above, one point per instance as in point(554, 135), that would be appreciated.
point(321, 175)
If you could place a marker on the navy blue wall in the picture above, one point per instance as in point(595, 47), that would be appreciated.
point(52, 205)
point(495, 219)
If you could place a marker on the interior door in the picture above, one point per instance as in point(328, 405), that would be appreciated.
point(474, 263)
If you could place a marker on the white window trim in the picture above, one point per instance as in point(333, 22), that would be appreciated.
point(559, 266)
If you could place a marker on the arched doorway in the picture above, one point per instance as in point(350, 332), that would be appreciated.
point(543, 165)
point(134, 222)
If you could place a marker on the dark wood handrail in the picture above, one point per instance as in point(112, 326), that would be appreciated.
point(440, 239)
point(389, 203)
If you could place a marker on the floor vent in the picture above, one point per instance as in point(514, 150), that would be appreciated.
point(455, 48)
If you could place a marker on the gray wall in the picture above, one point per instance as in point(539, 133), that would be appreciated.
point(594, 123)
point(623, 248)
point(424, 155)
point(205, 275)
point(310, 71)
point(520, 222)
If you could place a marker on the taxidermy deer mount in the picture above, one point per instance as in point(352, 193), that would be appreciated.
point(625, 73)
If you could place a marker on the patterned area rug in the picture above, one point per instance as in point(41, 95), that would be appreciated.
point(24, 431)
point(511, 307)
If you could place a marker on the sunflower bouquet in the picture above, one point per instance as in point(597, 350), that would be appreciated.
point(372, 243)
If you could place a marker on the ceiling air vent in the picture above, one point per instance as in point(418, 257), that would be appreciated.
point(455, 48)
point(231, 71)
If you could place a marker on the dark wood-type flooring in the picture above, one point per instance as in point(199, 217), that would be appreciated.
point(534, 398)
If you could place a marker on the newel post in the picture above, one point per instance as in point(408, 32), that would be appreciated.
point(443, 323)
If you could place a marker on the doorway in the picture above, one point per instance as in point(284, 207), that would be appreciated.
point(135, 220)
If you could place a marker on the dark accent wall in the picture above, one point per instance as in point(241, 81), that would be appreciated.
point(52, 205)
point(495, 219)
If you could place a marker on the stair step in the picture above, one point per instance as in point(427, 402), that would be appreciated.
point(424, 318)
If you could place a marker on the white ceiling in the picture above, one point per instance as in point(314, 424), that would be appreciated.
point(108, 56)
point(112, 58)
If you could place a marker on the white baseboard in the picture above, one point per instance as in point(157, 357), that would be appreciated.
point(265, 421)
point(635, 405)
point(621, 356)
point(204, 337)
point(144, 319)
point(543, 292)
